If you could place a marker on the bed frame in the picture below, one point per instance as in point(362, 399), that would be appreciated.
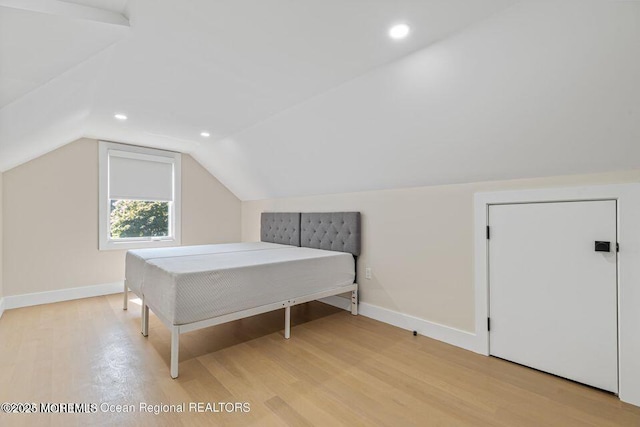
point(334, 231)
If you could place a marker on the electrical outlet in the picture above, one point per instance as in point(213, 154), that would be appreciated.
point(367, 273)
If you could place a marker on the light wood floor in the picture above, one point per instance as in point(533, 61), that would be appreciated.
point(337, 369)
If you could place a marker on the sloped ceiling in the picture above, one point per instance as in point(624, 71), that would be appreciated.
point(38, 44)
point(308, 97)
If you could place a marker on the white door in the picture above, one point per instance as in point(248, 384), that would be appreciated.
point(553, 297)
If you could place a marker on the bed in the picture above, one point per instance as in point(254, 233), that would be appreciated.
point(301, 257)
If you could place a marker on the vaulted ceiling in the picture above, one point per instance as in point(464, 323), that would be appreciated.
point(311, 97)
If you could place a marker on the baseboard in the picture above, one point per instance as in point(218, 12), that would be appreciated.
point(1, 307)
point(453, 336)
point(27, 300)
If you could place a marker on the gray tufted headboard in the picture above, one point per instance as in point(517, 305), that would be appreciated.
point(280, 227)
point(333, 231)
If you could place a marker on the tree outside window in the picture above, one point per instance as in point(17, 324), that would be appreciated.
point(138, 218)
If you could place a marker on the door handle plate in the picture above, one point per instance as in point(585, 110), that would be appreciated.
point(601, 246)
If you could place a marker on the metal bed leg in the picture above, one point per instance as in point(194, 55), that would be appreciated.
point(175, 345)
point(145, 319)
point(354, 301)
point(287, 322)
point(125, 303)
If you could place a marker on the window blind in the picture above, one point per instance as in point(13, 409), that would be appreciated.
point(134, 176)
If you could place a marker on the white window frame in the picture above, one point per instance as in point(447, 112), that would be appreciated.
point(105, 242)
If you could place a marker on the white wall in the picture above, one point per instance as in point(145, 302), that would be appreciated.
point(51, 220)
point(210, 212)
point(418, 241)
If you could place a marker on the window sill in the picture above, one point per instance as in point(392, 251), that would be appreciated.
point(140, 244)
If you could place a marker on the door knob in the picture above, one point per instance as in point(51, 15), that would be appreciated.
point(602, 246)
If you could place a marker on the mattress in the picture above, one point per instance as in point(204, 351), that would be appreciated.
point(136, 259)
point(194, 283)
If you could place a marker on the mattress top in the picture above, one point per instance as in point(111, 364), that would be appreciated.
point(178, 251)
point(202, 258)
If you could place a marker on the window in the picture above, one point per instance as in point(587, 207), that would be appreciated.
point(139, 197)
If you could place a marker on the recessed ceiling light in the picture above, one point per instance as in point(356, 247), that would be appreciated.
point(399, 31)
point(205, 134)
point(120, 116)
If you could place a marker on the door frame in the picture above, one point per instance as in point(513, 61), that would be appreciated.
point(628, 223)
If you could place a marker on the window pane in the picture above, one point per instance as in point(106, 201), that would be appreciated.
point(138, 218)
